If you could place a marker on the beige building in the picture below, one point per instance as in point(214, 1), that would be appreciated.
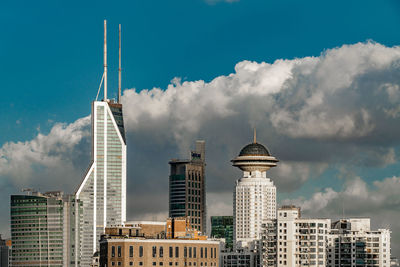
point(158, 252)
point(171, 243)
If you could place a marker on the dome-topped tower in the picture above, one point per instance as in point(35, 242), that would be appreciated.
point(254, 157)
point(254, 198)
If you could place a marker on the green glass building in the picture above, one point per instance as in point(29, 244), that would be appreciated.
point(41, 229)
point(222, 227)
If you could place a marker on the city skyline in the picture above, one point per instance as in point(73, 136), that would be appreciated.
point(330, 116)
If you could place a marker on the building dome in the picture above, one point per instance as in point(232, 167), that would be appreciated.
point(254, 157)
point(254, 149)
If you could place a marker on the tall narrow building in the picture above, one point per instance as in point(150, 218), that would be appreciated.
point(102, 193)
point(255, 194)
point(187, 194)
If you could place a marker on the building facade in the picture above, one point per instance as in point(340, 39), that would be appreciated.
point(41, 229)
point(353, 244)
point(222, 227)
point(301, 241)
point(239, 258)
point(187, 194)
point(255, 194)
point(175, 243)
point(158, 252)
point(102, 192)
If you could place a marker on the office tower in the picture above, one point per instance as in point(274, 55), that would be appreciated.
point(352, 243)
point(222, 227)
point(102, 192)
point(40, 230)
point(301, 241)
point(255, 194)
point(3, 253)
point(187, 196)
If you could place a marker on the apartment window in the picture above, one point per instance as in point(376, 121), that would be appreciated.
point(141, 251)
point(161, 252)
point(201, 252)
point(194, 252)
point(215, 252)
point(154, 251)
point(171, 252)
point(212, 253)
point(131, 251)
point(112, 251)
point(190, 252)
point(205, 252)
point(119, 251)
point(176, 252)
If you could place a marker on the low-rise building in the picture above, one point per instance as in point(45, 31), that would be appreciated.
point(158, 252)
point(239, 258)
point(175, 244)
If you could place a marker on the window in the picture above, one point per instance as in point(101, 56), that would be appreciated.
point(119, 251)
point(131, 251)
point(205, 252)
point(194, 252)
point(154, 254)
point(176, 252)
point(201, 252)
point(112, 251)
point(171, 252)
point(212, 253)
point(161, 252)
point(141, 252)
point(190, 252)
point(185, 252)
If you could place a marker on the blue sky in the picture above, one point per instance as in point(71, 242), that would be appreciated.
point(326, 104)
point(51, 50)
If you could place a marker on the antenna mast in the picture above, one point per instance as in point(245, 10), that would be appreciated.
point(255, 136)
point(105, 60)
point(119, 68)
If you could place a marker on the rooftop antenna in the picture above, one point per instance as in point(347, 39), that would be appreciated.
point(255, 136)
point(105, 60)
point(119, 68)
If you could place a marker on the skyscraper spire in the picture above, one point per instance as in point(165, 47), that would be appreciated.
point(255, 136)
point(119, 67)
point(105, 60)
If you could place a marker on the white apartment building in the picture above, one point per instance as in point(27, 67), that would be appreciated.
point(301, 241)
point(353, 244)
point(255, 194)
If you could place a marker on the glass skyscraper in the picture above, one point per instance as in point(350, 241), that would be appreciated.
point(102, 192)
